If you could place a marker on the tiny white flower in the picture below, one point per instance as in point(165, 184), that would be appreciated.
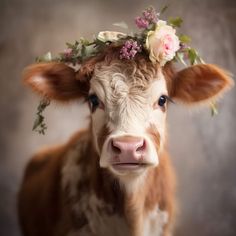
point(111, 36)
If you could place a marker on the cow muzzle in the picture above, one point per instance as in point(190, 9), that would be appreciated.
point(129, 153)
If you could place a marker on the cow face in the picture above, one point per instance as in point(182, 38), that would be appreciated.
point(128, 109)
point(128, 102)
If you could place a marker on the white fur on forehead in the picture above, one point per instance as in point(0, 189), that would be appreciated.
point(119, 85)
point(136, 74)
point(121, 75)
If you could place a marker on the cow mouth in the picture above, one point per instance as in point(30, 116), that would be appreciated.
point(120, 166)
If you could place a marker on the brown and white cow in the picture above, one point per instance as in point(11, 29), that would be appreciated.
point(115, 178)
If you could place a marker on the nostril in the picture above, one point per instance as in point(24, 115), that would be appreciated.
point(115, 149)
point(141, 147)
point(128, 146)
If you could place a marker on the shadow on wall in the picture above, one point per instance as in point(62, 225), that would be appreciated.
point(202, 148)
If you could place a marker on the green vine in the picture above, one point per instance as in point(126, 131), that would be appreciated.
point(39, 122)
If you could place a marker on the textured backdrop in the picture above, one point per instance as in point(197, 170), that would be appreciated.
point(203, 148)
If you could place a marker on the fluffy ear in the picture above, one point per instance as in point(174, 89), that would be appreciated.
point(55, 81)
point(201, 83)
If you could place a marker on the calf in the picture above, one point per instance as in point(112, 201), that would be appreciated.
point(114, 178)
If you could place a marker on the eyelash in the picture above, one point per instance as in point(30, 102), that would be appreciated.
point(168, 98)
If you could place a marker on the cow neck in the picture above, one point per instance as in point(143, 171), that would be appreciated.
point(133, 205)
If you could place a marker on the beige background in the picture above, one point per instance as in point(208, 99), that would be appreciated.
point(202, 148)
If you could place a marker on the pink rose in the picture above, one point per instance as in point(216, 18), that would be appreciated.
point(162, 43)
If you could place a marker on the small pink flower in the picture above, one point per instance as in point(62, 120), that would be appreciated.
point(150, 15)
point(141, 22)
point(130, 49)
point(67, 52)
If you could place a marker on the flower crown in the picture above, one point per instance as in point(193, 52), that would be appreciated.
point(156, 38)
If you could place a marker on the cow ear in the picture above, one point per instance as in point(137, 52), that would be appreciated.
point(201, 83)
point(55, 81)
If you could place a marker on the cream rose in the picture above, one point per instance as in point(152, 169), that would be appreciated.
point(162, 43)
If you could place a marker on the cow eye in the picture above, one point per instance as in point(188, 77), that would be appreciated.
point(93, 101)
point(162, 100)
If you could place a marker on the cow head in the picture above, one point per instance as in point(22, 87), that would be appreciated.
point(128, 100)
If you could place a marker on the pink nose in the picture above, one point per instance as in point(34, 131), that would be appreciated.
point(128, 148)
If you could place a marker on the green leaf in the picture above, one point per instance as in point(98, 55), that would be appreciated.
point(39, 124)
point(83, 51)
point(121, 24)
point(163, 9)
point(45, 58)
point(214, 110)
point(180, 57)
point(90, 50)
point(152, 27)
point(84, 41)
point(69, 45)
point(201, 60)
point(193, 56)
point(184, 38)
point(76, 44)
point(48, 56)
point(175, 22)
point(99, 43)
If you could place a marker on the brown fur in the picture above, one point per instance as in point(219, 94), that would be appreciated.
point(40, 195)
point(159, 189)
point(45, 208)
point(200, 83)
point(155, 136)
point(41, 202)
point(102, 136)
point(60, 81)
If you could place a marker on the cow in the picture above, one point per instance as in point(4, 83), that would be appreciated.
point(115, 177)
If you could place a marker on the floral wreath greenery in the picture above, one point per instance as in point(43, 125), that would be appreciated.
point(156, 38)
